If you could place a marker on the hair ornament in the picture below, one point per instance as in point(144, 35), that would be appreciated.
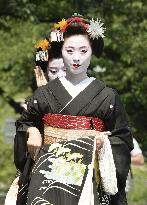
point(96, 29)
point(42, 44)
point(56, 36)
point(60, 25)
point(42, 56)
point(77, 15)
point(42, 50)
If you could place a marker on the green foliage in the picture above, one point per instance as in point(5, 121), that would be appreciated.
point(124, 57)
point(17, 53)
point(8, 170)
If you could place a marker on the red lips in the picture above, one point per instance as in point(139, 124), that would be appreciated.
point(76, 65)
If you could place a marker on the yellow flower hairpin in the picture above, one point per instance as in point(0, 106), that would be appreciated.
point(61, 24)
point(44, 44)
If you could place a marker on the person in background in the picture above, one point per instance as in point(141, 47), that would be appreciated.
point(49, 66)
point(137, 157)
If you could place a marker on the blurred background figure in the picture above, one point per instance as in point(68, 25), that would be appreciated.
point(137, 157)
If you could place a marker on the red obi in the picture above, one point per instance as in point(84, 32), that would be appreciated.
point(73, 122)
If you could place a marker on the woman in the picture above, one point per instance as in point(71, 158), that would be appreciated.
point(47, 70)
point(63, 105)
point(49, 65)
point(54, 69)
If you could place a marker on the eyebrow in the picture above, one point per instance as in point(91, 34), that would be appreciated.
point(53, 67)
point(84, 47)
point(74, 47)
point(69, 47)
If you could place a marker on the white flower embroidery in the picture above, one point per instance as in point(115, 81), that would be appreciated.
point(74, 156)
point(66, 167)
point(54, 146)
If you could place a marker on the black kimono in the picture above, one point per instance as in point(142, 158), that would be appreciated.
point(96, 100)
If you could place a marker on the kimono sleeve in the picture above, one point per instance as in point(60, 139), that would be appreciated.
point(121, 143)
point(116, 121)
point(30, 118)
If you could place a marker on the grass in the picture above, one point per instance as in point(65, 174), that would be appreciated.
point(7, 168)
point(138, 191)
point(6, 150)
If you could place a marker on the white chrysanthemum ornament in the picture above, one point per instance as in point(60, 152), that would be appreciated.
point(95, 29)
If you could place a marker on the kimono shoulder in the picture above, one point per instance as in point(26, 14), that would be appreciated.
point(42, 100)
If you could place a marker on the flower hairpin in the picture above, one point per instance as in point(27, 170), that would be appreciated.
point(60, 25)
point(96, 29)
point(57, 33)
point(42, 44)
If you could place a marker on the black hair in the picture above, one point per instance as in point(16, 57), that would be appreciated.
point(77, 28)
point(53, 53)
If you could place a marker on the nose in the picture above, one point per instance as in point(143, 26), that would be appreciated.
point(76, 57)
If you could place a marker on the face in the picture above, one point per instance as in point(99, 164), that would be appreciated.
point(56, 68)
point(76, 54)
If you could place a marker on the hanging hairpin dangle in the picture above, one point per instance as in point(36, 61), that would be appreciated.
point(41, 56)
point(56, 36)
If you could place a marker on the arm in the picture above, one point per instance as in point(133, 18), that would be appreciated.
point(137, 159)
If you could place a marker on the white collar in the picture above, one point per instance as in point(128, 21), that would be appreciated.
point(74, 90)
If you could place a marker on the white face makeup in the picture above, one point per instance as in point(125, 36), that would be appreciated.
point(56, 68)
point(76, 54)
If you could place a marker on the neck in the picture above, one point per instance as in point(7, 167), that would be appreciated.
point(76, 79)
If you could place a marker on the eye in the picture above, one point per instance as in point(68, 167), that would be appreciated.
point(63, 69)
point(70, 51)
point(83, 51)
point(53, 71)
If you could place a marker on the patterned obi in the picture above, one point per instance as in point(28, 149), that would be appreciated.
point(58, 127)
